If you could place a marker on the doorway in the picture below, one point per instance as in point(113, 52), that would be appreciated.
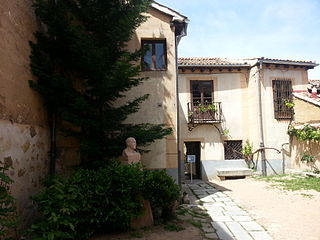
point(194, 148)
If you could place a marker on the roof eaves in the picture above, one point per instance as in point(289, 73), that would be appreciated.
point(176, 16)
point(214, 65)
point(287, 62)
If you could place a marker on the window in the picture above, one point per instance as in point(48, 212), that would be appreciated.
point(155, 57)
point(201, 92)
point(282, 92)
point(232, 149)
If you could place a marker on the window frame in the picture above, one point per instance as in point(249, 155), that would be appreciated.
point(202, 98)
point(153, 50)
point(282, 92)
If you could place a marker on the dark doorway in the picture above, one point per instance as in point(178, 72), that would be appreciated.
point(193, 148)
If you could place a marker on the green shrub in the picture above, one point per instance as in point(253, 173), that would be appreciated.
point(100, 200)
point(88, 202)
point(162, 192)
point(7, 208)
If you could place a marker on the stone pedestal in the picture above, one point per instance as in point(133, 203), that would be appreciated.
point(146, 219)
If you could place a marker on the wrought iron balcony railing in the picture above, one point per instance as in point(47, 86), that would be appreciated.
point(207, 113)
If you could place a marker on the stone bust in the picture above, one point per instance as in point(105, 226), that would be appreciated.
point(129, 154)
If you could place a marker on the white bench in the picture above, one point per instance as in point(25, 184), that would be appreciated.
point(222, 173)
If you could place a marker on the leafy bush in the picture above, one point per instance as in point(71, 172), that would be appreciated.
point(7, 208)
point(101, 200)
point(90, 201)
point(162, 192)
point(247, 150)
point(307, 133)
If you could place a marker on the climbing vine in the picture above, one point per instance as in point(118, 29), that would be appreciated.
point(307, 133)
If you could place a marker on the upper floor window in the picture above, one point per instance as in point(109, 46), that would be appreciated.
point(155, 57)
point(282, 93)
point(201, 92)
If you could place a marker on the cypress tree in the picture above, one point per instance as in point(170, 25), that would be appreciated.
point(82, 68)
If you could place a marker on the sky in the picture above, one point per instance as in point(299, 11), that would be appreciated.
point(281, 29)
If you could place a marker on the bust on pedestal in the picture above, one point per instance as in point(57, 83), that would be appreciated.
point(129, 154)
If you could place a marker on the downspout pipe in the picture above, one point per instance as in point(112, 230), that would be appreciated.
point(180, 31)
point(53, 145)
point(260, 112)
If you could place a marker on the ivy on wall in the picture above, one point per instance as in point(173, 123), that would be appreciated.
point(307, 133)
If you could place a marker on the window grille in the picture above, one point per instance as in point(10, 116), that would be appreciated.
point(232, 149)
point(282, 93)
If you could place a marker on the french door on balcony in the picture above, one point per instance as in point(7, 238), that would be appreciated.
point(201, 92)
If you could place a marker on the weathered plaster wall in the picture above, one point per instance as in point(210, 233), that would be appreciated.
point(305, 111)
point(160, 107)
point(18, 102)
point(25, 148)
point(299, 147)
point(24, 133)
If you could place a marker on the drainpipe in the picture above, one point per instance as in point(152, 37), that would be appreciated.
point(53, 131)
point(53, 145)
point(261, 145)
point(180, 31)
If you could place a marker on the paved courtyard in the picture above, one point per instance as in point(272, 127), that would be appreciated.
point(226, 220)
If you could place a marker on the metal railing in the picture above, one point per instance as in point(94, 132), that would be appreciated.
point(208, 112)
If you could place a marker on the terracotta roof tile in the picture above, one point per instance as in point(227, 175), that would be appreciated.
point(214, 61)
point(209, 61)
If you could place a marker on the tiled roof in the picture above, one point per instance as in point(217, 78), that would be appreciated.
point(210, 61)
point(288, 62)
point(305, 96)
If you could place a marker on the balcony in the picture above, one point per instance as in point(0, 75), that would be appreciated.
point(207, 113)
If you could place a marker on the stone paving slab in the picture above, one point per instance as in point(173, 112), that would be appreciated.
point(223, 231)
point(238, 231)
point(212, 236)
point(260, 235)
point(251, 226)
point(229, 221)
point(242, 218)
point(236, 213)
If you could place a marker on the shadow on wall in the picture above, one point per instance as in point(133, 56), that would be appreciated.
point(305, 148)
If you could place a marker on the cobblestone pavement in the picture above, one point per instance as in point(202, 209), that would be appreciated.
point(218, 215)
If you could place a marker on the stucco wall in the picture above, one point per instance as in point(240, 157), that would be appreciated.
point(305, 111)
point(230, 90)
point(24, 134)
point(275, 131)
point(161, 106)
